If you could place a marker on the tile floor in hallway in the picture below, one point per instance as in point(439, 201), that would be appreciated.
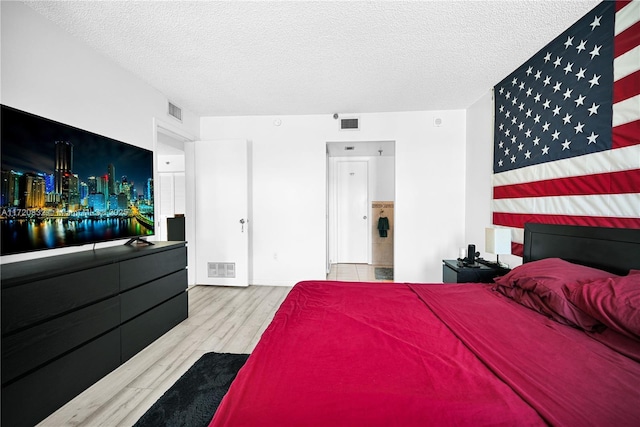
point(355, 272)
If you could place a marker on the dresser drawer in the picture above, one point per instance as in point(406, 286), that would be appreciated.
point(141, 331)
point(142, 298)
point(24, 305)
point(137, 271)
point(30, 348)
point(27, 401)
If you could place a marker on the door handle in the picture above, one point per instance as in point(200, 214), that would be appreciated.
point(242, 222)
point(364, 217)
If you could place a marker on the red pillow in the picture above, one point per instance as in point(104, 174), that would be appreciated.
point(545, 285)
point(550, 272)
point(614, 301)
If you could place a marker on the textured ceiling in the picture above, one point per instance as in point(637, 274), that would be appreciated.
point(220, 58)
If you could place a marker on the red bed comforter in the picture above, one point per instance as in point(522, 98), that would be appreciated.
point(372, 354)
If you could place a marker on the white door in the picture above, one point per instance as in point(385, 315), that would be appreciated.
point(352, 217)
point(222, 224)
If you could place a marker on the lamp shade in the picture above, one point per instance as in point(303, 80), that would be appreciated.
point(497, 240)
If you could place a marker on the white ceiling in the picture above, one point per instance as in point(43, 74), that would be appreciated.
point(221, 58)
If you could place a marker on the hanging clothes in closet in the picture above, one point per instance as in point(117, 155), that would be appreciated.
point(383, 225)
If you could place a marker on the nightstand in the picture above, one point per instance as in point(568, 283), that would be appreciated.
point(454, 273)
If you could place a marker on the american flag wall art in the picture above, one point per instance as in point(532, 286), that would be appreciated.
point(567, 128)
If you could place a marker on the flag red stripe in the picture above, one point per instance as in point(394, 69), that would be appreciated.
point(620, 182)
point(517, 249)
point(627, 87)
point(621, 3)
point(626, 40)
point(518, 220)
point(626, 135)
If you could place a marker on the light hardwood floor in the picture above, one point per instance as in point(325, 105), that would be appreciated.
point(354, 272)
point(221, 319)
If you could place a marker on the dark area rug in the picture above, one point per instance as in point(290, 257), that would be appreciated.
point(383, 273)
point(194, 398)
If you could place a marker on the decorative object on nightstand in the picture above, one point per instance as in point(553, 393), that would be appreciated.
point(497, 241)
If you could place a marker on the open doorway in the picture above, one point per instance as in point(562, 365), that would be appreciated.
point(170, 186)
point(360, 196)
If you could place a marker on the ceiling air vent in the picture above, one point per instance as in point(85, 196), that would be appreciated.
point(350, 124)
point(175, 111)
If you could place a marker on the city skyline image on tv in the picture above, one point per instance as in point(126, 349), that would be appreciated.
point(64, 186)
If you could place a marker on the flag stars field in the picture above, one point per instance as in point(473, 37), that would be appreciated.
point(574, 156)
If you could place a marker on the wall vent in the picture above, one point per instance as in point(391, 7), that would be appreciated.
point(221, 269)
point(175, 111)
point(350, 124)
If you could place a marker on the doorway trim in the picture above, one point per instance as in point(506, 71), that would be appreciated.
point(161, 126)
point(364, 150)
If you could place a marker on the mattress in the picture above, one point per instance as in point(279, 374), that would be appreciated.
point(384, 354)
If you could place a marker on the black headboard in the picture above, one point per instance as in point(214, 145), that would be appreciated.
point(612, 249)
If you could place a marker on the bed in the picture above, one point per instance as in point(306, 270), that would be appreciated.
point(555, 341)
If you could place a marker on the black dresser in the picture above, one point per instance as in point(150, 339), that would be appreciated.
point(69, 320)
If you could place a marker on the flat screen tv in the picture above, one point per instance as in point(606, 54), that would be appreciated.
point(64, 186)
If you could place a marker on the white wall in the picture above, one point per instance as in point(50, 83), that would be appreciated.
point(383, 175)
point(289, 189)
point(47, 72)
point(478, 181)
